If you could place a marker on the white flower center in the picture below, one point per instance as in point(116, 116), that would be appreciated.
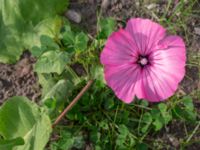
point(143, 61)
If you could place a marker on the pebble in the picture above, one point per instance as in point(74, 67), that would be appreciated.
point(105, 4)
point(173, 140)
point(120, 6)
point(137, 4)
point(197, 30)
point(73, 16)
point(151, 6)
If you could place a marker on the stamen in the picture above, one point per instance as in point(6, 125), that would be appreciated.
point(142, 61)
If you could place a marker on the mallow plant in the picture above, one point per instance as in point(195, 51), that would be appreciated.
point(140, 64)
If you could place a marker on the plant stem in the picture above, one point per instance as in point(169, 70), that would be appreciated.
point(75, 100)
point(194, 131)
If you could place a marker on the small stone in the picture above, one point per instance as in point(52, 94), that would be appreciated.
point(105, 4)
point(174, 141)
point(137, 4)
point(73, 16)
point(120, 6)
point(197, 30)
point(151, 6)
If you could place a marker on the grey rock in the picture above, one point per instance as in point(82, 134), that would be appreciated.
point(73, 16)
point(105, 4)
point(152, 6)
point(197, 30)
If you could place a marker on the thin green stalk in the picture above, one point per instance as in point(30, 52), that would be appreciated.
point(194, 131)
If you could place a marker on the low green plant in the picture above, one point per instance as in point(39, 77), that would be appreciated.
point(99, 120)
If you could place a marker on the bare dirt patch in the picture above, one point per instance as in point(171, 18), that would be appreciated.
point(19, 79)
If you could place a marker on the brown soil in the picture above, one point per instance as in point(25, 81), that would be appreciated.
point(19, 79)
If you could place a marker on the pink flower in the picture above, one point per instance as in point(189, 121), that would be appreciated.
point(141, 60)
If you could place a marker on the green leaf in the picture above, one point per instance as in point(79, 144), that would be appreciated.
point(48, 42)
point(103, 125)
point(55, 89)
point(188, 103)
point(97, 73)
point(52, 62)
point(186, 111)
point(23, 21)
point(107, 26)
point(124, 139)
point(71, 75)
point(66, 141)
point(158, 123)
point(109, 104)
point(141, 146)
point(158, 120)
point(37, 51)
point(9, 144)
point(123, 130)
point(19, 117)
point(122, 136)
point(95, 136)
point(47, 82)
point(79, 142)
point(155, 113)
point(74, 41)
point(97, 147)
point(166, 114)
point(146, 121)
point(51, 104)
point(10, 48)
point(68, 36)
point(81, 42)
point(144, 103)
point(48, 27)
point(60, 91)
point(162, 107)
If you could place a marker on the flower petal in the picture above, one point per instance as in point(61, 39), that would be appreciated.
point(119, 49)
point(145, 33)
point(171, 57)
point(149, 87)
point(167, 69)
point(158, 86)
point(124, 80)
